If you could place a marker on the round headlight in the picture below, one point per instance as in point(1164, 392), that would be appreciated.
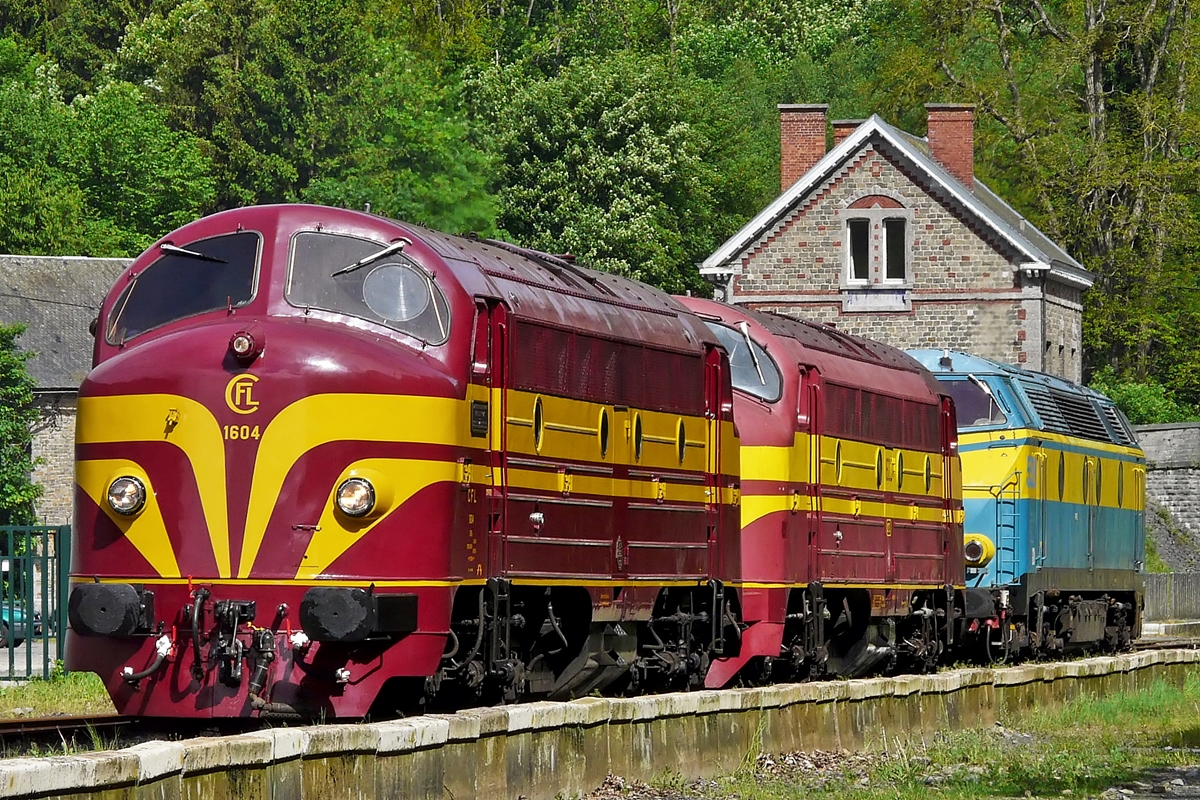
point(127, 495)
point(356, 497)
point(245, 346)
point(978, 550)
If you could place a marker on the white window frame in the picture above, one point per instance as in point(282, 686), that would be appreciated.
point(848, 276)
point(884, 249)
point(876, 248)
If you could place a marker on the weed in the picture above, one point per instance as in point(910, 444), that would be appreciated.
point(669, 780)
point(1080, 748)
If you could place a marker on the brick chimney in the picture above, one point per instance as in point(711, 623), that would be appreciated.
point(952, 139)
point(843, 128)
point(801, 140)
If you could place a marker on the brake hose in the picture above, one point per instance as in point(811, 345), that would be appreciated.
point(198, 598)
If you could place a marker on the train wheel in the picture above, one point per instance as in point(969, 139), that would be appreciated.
point(855, 645)
point(920, 644)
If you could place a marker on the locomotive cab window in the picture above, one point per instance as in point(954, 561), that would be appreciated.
point(186, 280)
point(338, 273)
point(753, 372)
point(974, 406)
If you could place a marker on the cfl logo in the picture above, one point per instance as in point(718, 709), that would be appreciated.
point(239, 394)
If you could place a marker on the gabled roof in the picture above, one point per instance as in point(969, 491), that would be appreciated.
point(56, 298)
point(1036, 249)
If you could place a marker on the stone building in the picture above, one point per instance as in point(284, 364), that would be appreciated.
point(891, 236)
point(56, 298)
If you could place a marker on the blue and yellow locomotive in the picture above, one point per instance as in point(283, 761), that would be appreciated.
point(1054, 495)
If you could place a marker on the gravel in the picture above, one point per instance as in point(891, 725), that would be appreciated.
point(811, 772)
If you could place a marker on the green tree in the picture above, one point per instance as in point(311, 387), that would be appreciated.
point(39, 202)
point(102, 176)
point(138, 177)
point(617, 161)
point(1087, 121)
point(1144, 402)
point(17, 415)
point(81, 36)
point(409, 151)
point(266, 83)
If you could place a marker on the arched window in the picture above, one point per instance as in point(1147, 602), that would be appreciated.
point(878, 243)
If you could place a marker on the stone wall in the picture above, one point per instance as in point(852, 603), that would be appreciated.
point(1173, 470)
point(983, 328)
point(54, 449)
point(1062, 333)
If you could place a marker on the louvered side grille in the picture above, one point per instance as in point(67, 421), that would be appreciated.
point(1118, 425)
point(1081, 416)
point(1046, 408)
point(867, 416)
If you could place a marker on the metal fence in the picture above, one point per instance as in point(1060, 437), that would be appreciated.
point(1172, 595)
point(34, 563)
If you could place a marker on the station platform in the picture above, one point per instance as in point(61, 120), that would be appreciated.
point(1172, 628)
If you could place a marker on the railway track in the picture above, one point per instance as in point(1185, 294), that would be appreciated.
point(64, 725)
point(1168, 643)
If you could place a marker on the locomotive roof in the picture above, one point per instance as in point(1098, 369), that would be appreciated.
point(536, 286)
point(554, 290)
point(824, 337)
point(839, 355)
point(967, 364)
point(1060, 405)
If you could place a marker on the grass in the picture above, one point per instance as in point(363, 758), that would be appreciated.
point(76, 694)
point(1154, 562)
point(1080, 749)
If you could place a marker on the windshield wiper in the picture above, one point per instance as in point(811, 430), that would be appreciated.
point(394, 247)
point(988, 391)
point(179, 251)
point(744, 327)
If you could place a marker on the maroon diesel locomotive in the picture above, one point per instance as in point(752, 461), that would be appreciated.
point(851, 508)
point(327, 461)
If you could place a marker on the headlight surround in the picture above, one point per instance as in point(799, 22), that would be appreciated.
point(355, 497)
point(978, 550)
point(973, 550)
point(127, 495)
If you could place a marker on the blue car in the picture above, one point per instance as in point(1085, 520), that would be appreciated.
point(15, 627)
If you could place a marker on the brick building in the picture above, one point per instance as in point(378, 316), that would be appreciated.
point(56, 299)
point(891, 236)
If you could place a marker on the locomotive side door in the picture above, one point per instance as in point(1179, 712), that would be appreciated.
point(802, 548)
point(490, 366)
point(810, 392)
point(717, 400)
point(952, 493)
point(1090, 500)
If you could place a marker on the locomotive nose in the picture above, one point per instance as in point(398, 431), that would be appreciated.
point(227, 465)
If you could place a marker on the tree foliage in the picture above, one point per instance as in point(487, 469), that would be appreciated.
point(637, 134)
point(103, 175)
point(1145, 402)
point(409, 153)
point(17, 415)
point(1089, 124)
point(608, 160)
